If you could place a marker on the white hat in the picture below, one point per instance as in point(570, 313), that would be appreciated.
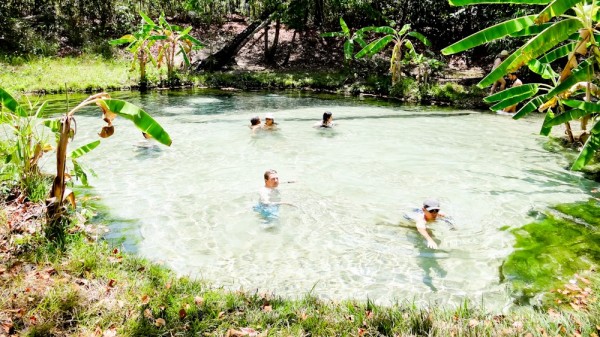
point(431, 204)
point(269, 116)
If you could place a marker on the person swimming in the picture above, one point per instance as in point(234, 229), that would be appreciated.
point(327, 121)
point(429, 213)
point(270, 197)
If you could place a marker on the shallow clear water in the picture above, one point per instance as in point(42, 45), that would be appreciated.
point(190, 205)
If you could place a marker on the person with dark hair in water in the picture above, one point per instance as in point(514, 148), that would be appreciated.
point(327, 121)
point(254, 123)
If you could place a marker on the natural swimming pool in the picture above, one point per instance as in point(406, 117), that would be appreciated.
point(190, 206)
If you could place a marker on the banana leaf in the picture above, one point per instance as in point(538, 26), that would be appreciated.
point(566, 117)
point(385, 30)
point(587, 106)
point(139, 117)
point(147, 19)
point(344, 26)
point(124, 39)
point(530, 106)
point(504, 94)
point(490, 34)
point(375, 46)
point(193, 40)
point(531, 30)
point(589, 149)
point(332, 34)
point(542, 69)
point(7, 101)
point(545, 131)
point(348, 49)
point(478, 2)
point(557, 53)
point(579, 74)
point(535, 47)
point(512, 101)
point(84, 149)
point(499, 72)
point(420, 37)
point(556, 8)
point(544, 41)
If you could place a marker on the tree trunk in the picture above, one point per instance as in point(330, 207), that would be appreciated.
point(266, 43)
point(270, 55)
point(225, 56)
point(289, 54)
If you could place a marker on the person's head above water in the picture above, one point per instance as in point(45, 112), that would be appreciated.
point(327, 116)
point(255, 120)
point(269, 119)
point(271, 179)
point(431, 208)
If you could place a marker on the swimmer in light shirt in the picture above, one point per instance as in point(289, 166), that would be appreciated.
point(428, 214)
point(269, 196)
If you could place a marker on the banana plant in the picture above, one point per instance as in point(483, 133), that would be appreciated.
point(563, 31)
point(29, 147)
point(351, 39)
point(400, 39)
point(139, 44)
point(66, 128)
point(175, 40)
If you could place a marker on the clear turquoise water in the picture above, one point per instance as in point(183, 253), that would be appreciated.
point(190, 206)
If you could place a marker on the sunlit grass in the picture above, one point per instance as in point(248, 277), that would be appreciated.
point(51, 74)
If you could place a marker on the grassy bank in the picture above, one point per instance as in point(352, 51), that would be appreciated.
point(90, 287)
point(89, 73)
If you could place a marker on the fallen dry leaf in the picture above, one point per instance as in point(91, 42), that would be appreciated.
point(111, 283)
point(361, 331)
point(111, 332)
point(473, 323)
point(267, 308)
point(145, 299)
point(182, 313)
point(199, 300)
point(148, 313)
point(160, 322)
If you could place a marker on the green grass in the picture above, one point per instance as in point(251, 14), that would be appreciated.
point(49, 74)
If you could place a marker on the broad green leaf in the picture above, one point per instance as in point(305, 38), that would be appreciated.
point(478, 2)
point(566, 117)
point(557, 53)
point(385, 30)
point(504, 94)
point(545, 130)
point(499, 72)
point(84, 149)
point(124, 39)
point(53, 124)
point(556, 8)
point(375, 46)
point(157, 37)
point(186, 31)
point(147, 19)
point(544, 41)
point(490, 34)
point(361, 42)
point(587, 106)
point(530, 106)
point(40, 111)
point(420, 37)
point(80, 173)
point(515, 99)
point(8, 102)
point(186, 60)
point(348, 49)
point(589, 149)
point(192, 39)
point(542, 69)
point(579, 74)
point(361, 31)
point(404, 29)
point(531, 30)
point(140, 118)
point(344, 26)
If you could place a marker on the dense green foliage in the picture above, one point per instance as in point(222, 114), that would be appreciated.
point(549, 252)
point(51, 27)
point(563, 52)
